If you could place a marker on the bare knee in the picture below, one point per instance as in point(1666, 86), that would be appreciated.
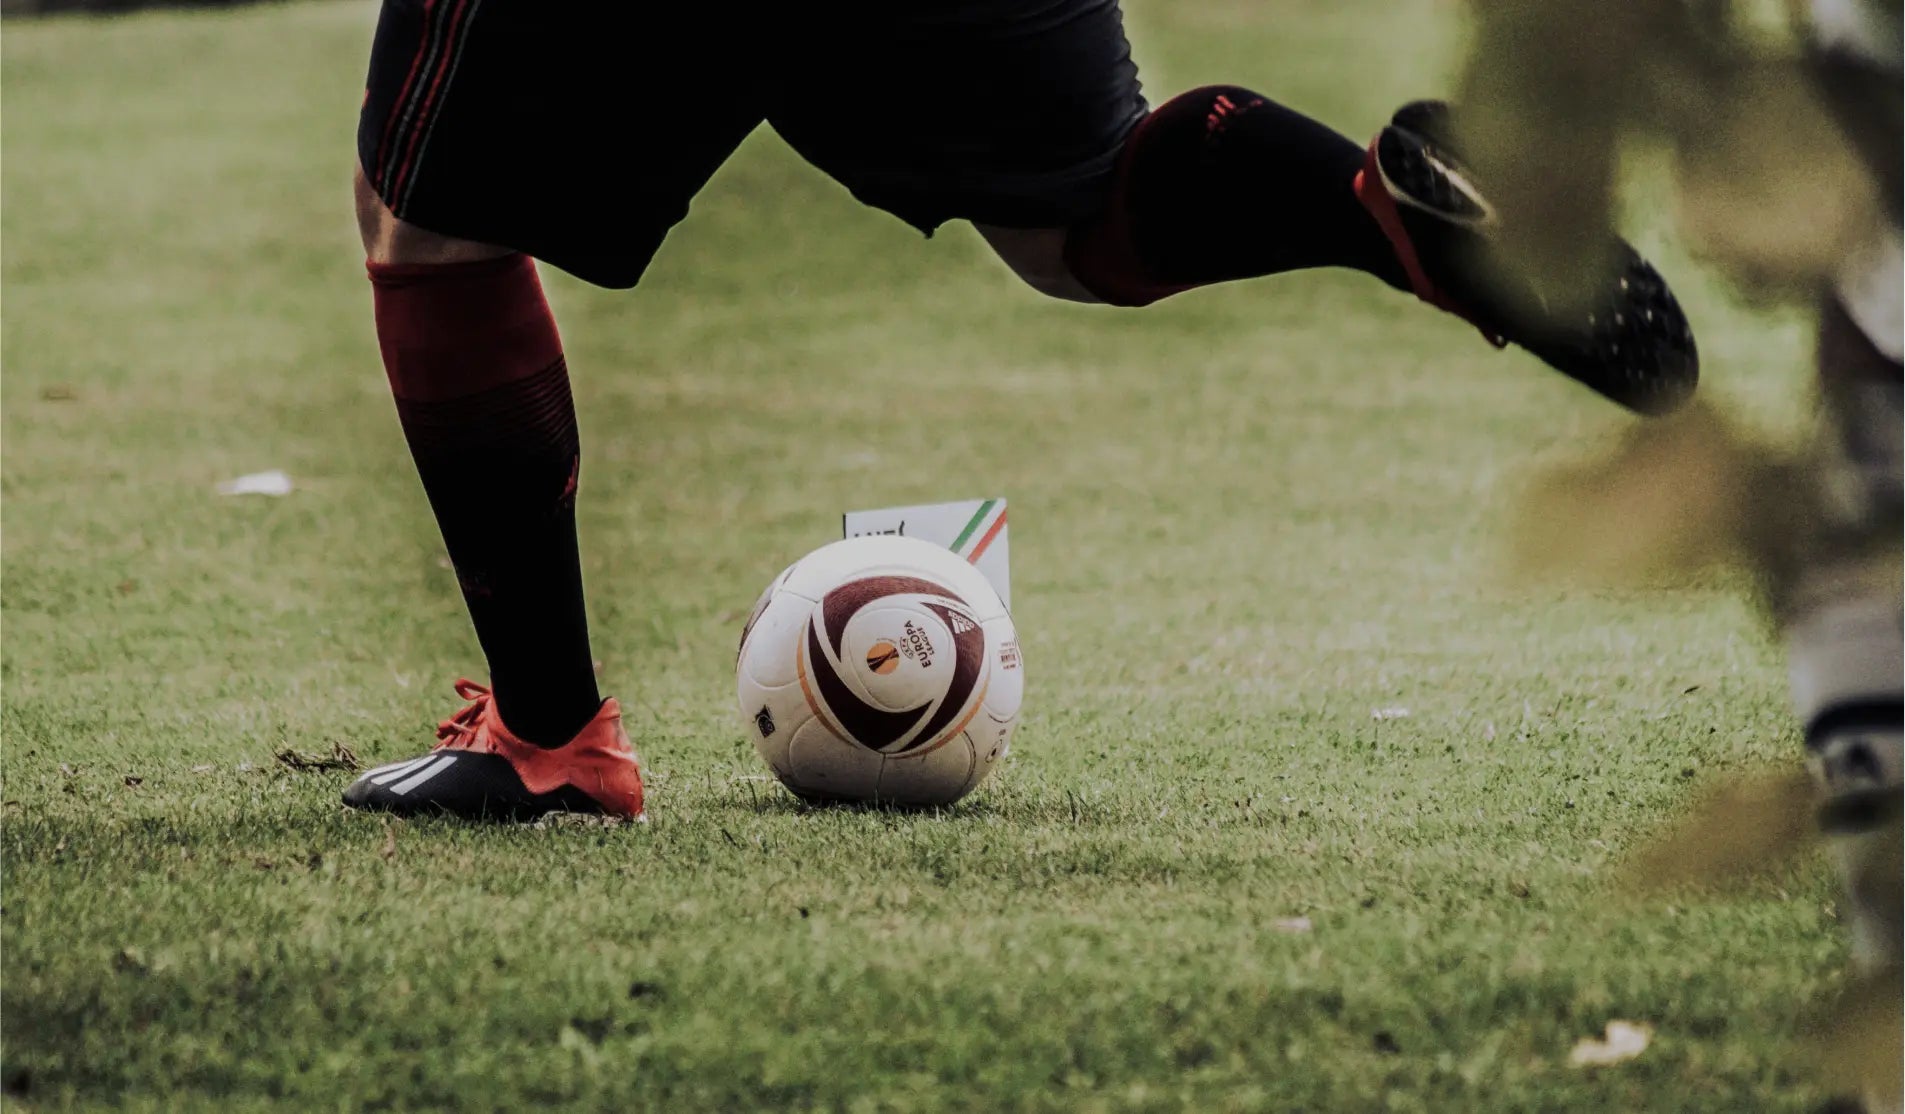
point(390, 240)
point(1037, 255)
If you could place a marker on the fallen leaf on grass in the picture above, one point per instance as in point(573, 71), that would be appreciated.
point(341, 759)
point(274, 482)
point(578, 820)
point(389, 852)
point(1623, 1041)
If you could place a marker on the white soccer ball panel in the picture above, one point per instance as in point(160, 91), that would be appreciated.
point(771, 717)
point(769, 655)
point(990, 746)
point(1005, 691)
point(760, 605)
point(991, 737)
point(823, 765)
point(938, 777)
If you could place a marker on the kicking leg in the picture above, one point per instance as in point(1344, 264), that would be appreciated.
point(1221, 183)
point(1217, 184)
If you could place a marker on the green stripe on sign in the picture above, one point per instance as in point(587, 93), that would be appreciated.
point(985, 508)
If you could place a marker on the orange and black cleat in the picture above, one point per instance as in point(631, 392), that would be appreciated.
point(479, 770)
point(1631, 342)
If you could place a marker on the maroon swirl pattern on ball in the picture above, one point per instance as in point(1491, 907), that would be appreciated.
point(877, 728)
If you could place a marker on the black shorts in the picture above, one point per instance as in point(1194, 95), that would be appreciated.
point(578, 132)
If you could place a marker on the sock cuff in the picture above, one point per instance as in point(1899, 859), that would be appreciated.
point(1220, 183)
point(411, 274)
point(1102, 253)
point(451, 330)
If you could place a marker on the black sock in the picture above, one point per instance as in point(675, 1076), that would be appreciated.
point(483, 394)
point(1220, 183)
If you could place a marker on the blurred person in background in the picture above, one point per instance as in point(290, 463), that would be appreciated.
point(1788, 158)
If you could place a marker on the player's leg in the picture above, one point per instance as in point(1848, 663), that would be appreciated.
point(481, 144)
point(1216, 184)
point(476, 368)
point(1027, 120)
point(1037, 256)
point(1843, 624)
point(1223, 183)
point(1842, 634)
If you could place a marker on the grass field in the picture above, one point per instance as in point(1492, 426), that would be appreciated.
point(1243, 521)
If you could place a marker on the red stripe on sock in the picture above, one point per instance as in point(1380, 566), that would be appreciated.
point(457, 329)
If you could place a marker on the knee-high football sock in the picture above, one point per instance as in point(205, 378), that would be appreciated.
point(482, 391)
point(1221, 183)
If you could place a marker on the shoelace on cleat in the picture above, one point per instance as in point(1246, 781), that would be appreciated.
point(462, 725)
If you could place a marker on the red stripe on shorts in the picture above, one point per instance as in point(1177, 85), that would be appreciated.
point(452, 46)
point(403, 95)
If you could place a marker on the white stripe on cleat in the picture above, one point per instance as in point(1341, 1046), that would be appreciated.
point(383, 775)
point(425, 774)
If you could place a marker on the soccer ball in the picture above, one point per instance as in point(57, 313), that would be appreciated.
point(880, 669)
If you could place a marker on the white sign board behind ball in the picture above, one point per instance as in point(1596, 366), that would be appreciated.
point(975, 529)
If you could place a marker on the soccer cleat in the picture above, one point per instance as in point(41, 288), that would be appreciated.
point(1632, 343)
point(479, 770)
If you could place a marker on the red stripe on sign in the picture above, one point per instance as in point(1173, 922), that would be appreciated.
point(979, 550)
point(452, 45)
